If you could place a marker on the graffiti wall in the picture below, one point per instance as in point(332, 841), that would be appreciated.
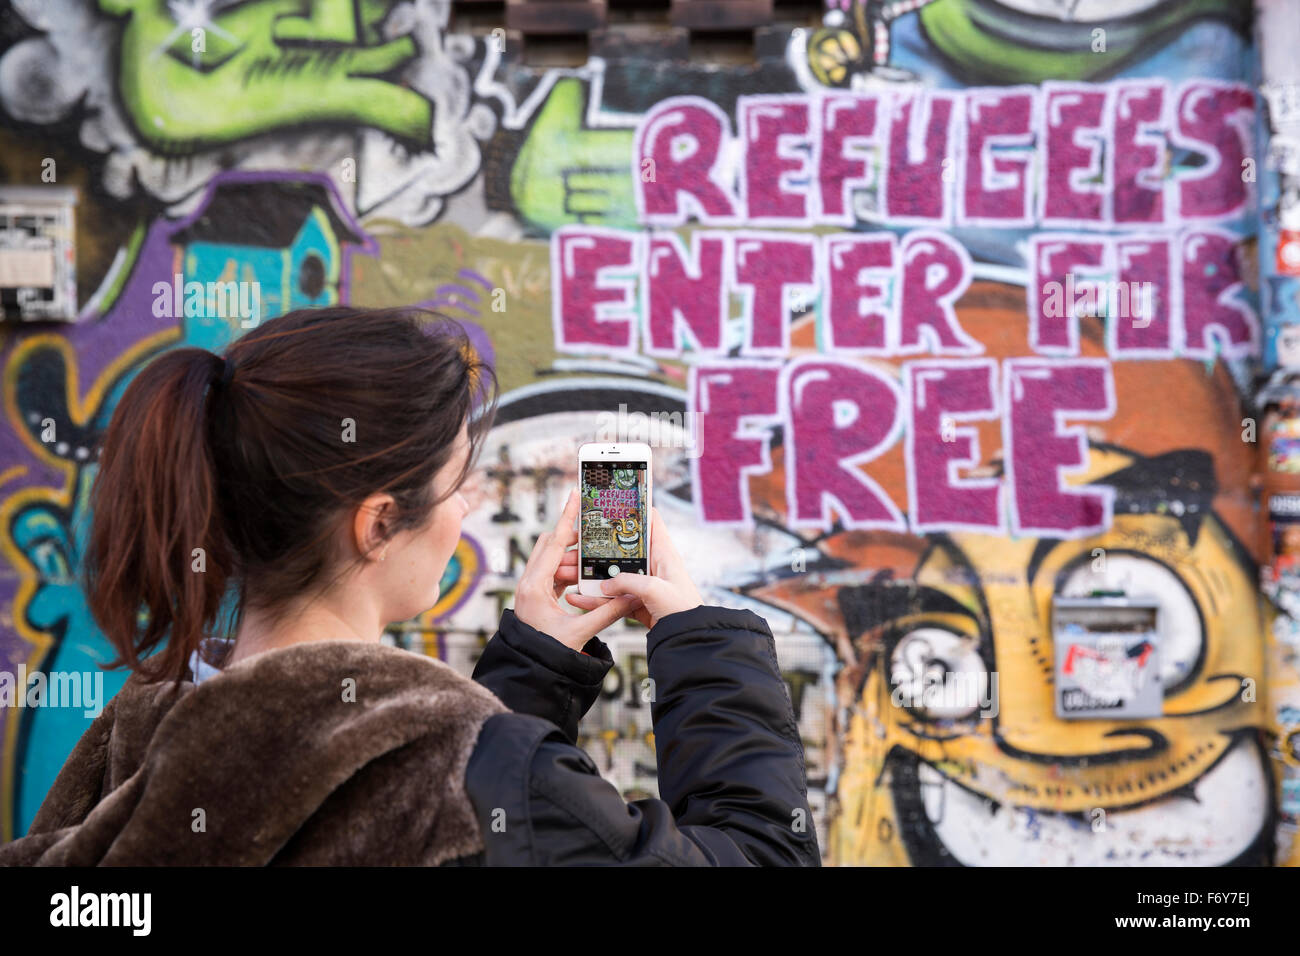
point(938, 313)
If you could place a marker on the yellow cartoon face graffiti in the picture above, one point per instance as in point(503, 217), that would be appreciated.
point(992, 776)
point(627, 532)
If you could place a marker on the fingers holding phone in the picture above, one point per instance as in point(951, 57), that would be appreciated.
point(545, 577)
point(669, 589)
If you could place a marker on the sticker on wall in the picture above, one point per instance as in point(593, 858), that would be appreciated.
point(1284, 439)
point(1288, 346)
point(38, 262)
point(1288, 252)
point(1280, 577)
point(1289, 810)
point(1107, 657)
point(1281, 399)
point(1284, 524)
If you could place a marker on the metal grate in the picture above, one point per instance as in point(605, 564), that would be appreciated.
point(548, 33)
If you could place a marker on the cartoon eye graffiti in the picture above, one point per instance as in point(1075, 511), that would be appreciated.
point(938, 674)
point(832, 55)
point(204, 48)
point(1181, 626)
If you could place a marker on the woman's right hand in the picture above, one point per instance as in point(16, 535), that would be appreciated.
point(666, 590)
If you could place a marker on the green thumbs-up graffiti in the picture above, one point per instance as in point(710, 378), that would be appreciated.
point(567, 172)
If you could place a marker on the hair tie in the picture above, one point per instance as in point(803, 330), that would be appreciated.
point(227, 371)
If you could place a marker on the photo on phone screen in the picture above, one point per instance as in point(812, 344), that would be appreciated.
point(613, 518)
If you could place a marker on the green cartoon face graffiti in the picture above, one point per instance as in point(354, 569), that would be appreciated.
point(200, 73)
point(1007, 41)
point(624, 478)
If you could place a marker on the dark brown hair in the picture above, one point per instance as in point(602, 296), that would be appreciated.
point(257, 468)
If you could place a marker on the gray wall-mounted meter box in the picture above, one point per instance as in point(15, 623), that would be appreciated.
point(1107, 657)
point(38, 260)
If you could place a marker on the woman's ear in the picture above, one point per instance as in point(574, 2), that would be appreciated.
point(372, 524)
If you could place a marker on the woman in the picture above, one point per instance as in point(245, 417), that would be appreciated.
point(313, 474)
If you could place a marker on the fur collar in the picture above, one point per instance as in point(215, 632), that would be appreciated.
point(332, 752)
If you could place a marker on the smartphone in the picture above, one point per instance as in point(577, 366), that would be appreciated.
point(614, 485)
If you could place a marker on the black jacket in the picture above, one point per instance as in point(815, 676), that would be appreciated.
point(730, 761)
point(423, 765)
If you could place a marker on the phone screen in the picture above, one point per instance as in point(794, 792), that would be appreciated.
point(613, 518)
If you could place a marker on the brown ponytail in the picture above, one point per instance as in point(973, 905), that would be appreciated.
point(255, 469)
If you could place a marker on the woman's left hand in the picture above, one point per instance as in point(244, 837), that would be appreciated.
point(552, 568)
